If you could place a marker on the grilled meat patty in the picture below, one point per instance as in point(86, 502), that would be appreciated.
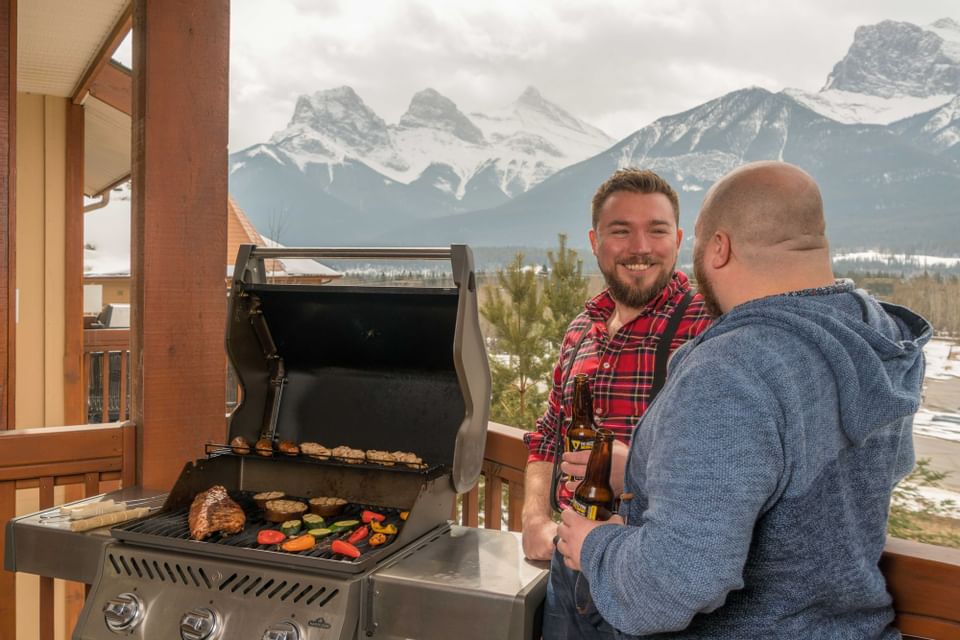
point(213, 510)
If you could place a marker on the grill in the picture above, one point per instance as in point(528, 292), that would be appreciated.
point(385, 368)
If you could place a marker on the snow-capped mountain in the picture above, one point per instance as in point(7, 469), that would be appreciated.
point(874, 178)
point(892, 70)
point(937, 130)
point(337, 157)
point(882, 138)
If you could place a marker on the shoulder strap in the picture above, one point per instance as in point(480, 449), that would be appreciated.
point(663, 347)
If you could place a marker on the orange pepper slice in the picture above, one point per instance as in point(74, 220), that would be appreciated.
point(300, 543)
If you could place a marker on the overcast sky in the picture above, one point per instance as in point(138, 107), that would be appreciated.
point(616, 64)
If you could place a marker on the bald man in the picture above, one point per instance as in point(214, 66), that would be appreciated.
point(761, 477)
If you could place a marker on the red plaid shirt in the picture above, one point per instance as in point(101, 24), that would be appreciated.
point(620, 367)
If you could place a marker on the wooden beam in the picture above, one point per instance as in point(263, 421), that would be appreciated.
point(117, 34)
point(8, 580)
point(923, 580)
point(60, 445)
point(178, 232)
point(114, 86)
point(74, 411)
point(8, 226)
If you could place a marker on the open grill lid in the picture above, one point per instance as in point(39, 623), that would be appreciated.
point(388, 368)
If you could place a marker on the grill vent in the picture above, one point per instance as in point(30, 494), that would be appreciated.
point(248, 585)
point(153, 570)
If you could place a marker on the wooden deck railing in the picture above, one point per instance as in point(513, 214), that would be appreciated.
point(923, 579)
point(86, 460)
point(106, 366)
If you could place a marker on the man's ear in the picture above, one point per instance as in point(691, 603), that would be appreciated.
point(720, 251)
point(679, 237)
point(593, 241)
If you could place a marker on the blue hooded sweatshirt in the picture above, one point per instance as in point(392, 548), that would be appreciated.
point(762, 476)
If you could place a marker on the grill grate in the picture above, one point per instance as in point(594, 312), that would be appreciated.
point(175, 525)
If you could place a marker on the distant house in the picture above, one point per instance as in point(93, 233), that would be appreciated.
point(114, 283)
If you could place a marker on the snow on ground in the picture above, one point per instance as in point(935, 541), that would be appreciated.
point(898, 258)
point(940, 365)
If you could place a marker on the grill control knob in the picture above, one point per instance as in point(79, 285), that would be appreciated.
point(199, 624)
point(123, 612)
point(282, 631)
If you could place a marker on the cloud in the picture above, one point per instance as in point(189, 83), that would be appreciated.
point(617, 64)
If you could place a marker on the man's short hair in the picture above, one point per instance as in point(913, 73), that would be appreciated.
point(635, 181)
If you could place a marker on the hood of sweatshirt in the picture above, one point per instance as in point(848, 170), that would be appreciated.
point(874, 350)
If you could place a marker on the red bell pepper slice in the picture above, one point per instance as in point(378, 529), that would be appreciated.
point(359, 535)
point(270, 536)
point(345, 549)
point(369, 516)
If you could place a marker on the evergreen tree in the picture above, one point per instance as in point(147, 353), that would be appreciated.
point(528, 315)
point(519, 366)
point(565, 292)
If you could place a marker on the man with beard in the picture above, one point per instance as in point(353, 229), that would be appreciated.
point(621, 340)
point(761, 478)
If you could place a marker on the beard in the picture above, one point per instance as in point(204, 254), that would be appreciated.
point(635, 296)
point(704, 286)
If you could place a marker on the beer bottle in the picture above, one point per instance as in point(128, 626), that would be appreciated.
point(581, 433)
point(594, 498)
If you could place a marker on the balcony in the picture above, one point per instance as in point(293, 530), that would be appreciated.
point(89, 459)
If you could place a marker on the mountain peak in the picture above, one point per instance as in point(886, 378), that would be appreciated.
point(531, 96)
point(429, 109)
point(947, 23)
point(892, 58)
point(335, 114)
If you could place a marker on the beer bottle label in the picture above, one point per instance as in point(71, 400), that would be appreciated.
point(591, 511)
point(580, 445)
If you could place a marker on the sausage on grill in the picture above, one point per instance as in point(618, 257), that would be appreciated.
point(212, 511)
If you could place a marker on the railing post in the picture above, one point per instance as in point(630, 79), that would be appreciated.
point(46, 584)
point(8, 580)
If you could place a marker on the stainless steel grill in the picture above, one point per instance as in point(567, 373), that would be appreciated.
point(370, 368)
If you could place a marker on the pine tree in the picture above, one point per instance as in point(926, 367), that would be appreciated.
point(518, 366)
point(564, 292)
point(528, 316)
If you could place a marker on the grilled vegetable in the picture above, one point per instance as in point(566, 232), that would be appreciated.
point(313, 521)
point(389, 529)
point(270, 536)
point(404, 515)
point(377, 539)
point(343, 525)
point(290, 528)
point(359, 535)
point(300, 543)
point(320, 533)
point(344, 549)
point(370, 516)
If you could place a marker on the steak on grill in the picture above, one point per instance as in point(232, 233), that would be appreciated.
point(213, 510)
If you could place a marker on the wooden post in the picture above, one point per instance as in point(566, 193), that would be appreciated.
point(74, 411)
point(178, 232)
point(8, 580)
point(8, 227)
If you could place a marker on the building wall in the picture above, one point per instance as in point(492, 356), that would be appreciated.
point(114, 289)
point(41, 164)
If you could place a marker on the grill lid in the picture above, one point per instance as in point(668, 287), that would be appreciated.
point(388, 368)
